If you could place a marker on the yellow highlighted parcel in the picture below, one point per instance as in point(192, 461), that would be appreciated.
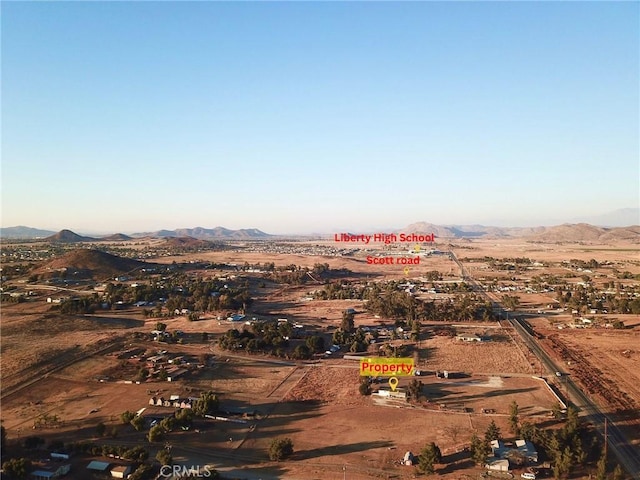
point(386, 367)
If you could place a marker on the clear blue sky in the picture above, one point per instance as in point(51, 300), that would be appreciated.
point(317, 117)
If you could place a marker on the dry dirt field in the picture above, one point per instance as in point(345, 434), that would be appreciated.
point(317, 405)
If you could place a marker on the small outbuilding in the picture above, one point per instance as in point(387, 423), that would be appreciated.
point(50, 473)
point(498, 465)
point(121, 471)
point(409, 459)
point(97, 466)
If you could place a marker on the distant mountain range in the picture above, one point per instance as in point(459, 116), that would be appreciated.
point(24, 232)
point(199, 233)
point(622, 217)
point(217, 233)
point(579, 232)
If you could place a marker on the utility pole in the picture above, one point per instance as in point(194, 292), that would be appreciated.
point(606, 438)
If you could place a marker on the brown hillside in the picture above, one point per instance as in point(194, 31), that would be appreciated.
point(583, 232)
point(67, 236)
point(85, 263)
point(626, 234)
point(117, 237)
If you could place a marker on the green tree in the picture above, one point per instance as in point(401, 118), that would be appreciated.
point(429, 456)
point(618, 474)
point(511, 301)
point(184, 417)
point(164, 457)
point(301, 352)
point(156, 433)
point(143, 373)
point(207, 403)
point(280, 449)
point(315, 343)
point(414, 389)
point(513, 418)
point(348, 322)
point(365, 387)
point(479, 450)
point(137, 422)
point(101, 428)
point(161, 327)
point(563, 464)
point(127, 416)
point(601, 468)
point(492, 432)
point(142, 472)
point(17, 468)
point(138, 453)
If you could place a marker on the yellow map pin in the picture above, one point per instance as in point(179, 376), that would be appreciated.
point(416, 249)
point(393, 383)
point(406, 270)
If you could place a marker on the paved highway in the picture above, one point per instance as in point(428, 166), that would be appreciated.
point(627, 454)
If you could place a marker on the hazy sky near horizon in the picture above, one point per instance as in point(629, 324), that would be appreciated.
point(300, 117)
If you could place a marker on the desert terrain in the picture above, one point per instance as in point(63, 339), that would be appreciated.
point(63, 374)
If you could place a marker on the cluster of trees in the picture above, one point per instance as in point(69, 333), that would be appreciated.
point(355, 339)
point(298, 275)
point(511, 301)
point(137, 453)
point(389, 301)
point(182, 418)
point(19, 468)
point(572, 445)
point(576, 263)
point(568, 447)
point(266, 337)
point(207, 403)
point(343, 290)
point(403, 307)
point(16, 468)
point(79, 305)
point(582, 298)
point(272, 339)
point(290, 274)
point(8, 298)
point(180, 291)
